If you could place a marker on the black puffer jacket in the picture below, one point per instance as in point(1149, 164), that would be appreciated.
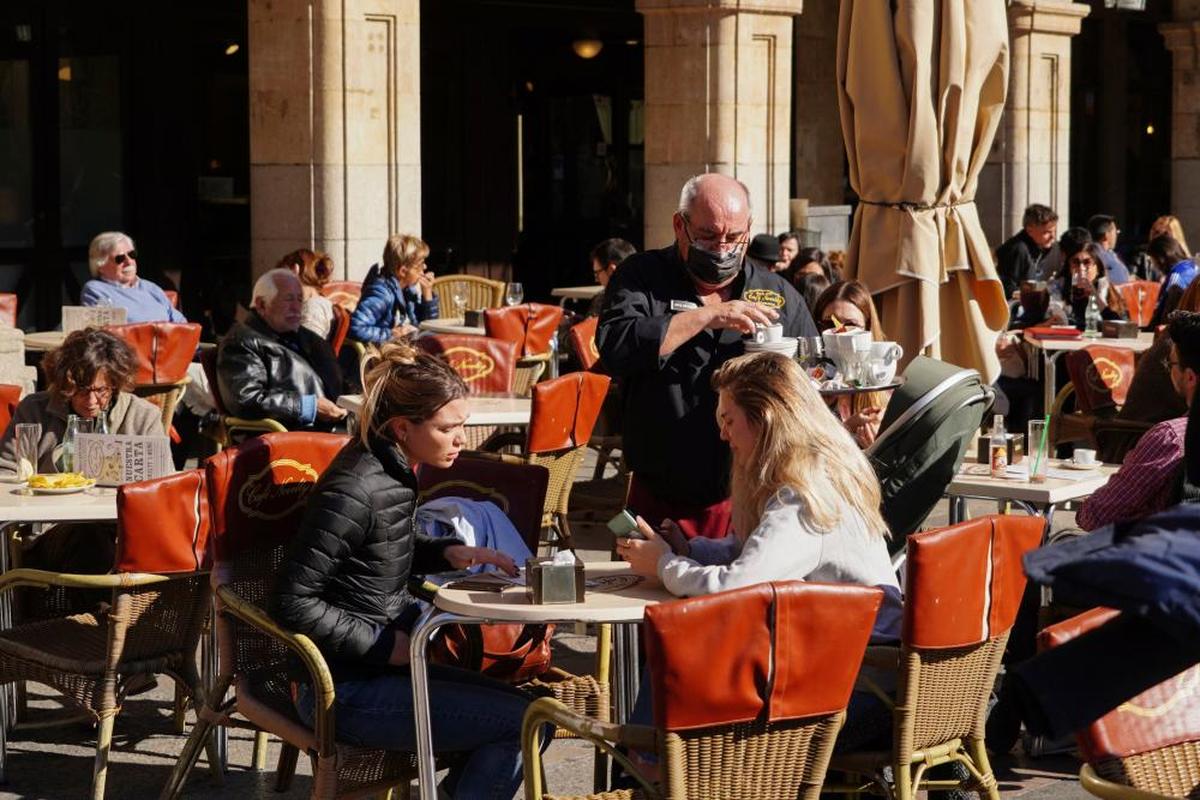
point(343, 581)
point(261, 373)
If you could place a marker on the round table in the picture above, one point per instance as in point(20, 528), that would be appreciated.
point(41, 341)
point(450, 325)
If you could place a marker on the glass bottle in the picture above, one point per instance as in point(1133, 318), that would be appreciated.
point(68, 443)
point(998, 450)
point(100, 425)
point(1091, 318)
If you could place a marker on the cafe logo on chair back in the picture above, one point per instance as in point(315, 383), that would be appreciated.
point(1104, 375)
point(766, 298)
point(471, 364)
point(278, 490)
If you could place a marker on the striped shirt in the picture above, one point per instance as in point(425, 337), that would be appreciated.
point(1143, 484)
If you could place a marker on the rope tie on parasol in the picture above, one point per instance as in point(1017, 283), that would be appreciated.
point(905, 205)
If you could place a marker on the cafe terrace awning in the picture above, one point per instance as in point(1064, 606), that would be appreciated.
point(921, 87)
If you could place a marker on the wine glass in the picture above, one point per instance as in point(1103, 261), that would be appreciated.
point(459, 296)
point(514, 295)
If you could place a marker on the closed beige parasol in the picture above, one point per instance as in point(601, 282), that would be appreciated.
point(921, 87)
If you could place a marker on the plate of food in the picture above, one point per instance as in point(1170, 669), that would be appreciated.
point(60, 483)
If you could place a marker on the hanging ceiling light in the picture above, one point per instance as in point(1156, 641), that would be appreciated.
point(587, 48)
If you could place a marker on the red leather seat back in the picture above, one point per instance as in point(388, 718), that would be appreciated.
point(964, 582)
point(164, 349)
point(10, 398)
point(173, 296)
point(519, 490)
point(565, 411)
point(1148, 293)
point(258, 489)
point(583, 340)
point(1163, 715)
point(339, 329)
point(163, 524)
point(783, 650)
point(487, 365)
point(8, 309)
point(343, 293)
point(1101, 376)
point(531, 326)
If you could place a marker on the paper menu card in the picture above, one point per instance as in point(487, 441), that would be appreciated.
point(114, 459)
point(76, 318)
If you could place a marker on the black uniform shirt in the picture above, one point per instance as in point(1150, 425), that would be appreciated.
point(670, 437)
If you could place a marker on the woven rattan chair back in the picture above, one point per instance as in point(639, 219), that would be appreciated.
point(1151, 742)
point(480, 293)
point(767, 729)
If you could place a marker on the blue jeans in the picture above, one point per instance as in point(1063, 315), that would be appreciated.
point(471, 714)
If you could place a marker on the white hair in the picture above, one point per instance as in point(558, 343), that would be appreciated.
point(687, 195)
point(267, 285)
point(102, 247)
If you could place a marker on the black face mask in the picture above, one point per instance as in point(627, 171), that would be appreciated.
point(713, 268)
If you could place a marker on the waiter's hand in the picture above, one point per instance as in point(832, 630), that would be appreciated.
point(739, 315)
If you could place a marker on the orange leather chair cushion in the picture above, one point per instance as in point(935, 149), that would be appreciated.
point(1129, 294)
point(1163, 715)
point(487, 365)
point(531, 326)
point(258, 490)
point(164, 349)
point(583, 339)
point(163, 524)
point(782, 650)
point(565, 411)
point(964, 583)
point(8, 309)
point(343, 293)
point(339, 329)
point(1101, 376)
point(519, 490)
point(10, 397)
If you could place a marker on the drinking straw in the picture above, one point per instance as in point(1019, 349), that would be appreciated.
point(1037, 457)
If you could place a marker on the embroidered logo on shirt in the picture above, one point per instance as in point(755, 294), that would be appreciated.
point(764, 297)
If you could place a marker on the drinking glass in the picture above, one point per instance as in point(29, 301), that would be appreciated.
point(28, 435)
point(1035, 457)
point(460, 301)
point(514, 295)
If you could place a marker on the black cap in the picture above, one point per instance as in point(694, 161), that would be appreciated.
point(764, 247)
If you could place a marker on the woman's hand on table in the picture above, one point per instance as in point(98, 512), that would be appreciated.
point(643, 554)
point(461, 556)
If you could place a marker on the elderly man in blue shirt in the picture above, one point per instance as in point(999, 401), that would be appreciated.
point(115, 282)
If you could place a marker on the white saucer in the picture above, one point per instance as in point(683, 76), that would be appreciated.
point(1068, 464)
point(785, 346)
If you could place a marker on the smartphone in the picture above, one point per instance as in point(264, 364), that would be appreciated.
point(625, 524)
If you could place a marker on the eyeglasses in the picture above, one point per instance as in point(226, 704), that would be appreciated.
point(1082, 262)
point(120, 257)
point(101, 393)
point(729, 242)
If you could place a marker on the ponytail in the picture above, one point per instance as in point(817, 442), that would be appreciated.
point(401, 381)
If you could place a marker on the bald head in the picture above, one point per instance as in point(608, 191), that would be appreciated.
point(712, 189)
point(713, 216)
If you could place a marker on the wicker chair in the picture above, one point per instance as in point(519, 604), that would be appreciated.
point(480, 293)
point(1140, 298)
point(160, 601)
point(962, 590)
point(164, 351)
point(258, 492)
point(560, 425)
point(339, 329)
point(765, 729)
point(532, 326)
point(607, 439)
point(343, 293)
point(1148, 748)
point(1100, 380)
point(232, 429)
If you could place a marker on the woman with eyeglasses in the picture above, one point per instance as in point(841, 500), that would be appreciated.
point(1084, 277)
point(848, 304)
point(397, 296)
point(112, 260)
point(314, 271)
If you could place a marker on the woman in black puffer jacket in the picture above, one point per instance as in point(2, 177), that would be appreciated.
point(343, 583)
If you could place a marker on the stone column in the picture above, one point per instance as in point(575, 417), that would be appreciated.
point(819, 149)
point(718, 99)
point(335, 145)
point(1183, 40)
point(1030, 159)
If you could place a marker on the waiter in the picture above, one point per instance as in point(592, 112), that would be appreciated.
point(673, 316)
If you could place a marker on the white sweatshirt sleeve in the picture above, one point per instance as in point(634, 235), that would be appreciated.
point(780, 548)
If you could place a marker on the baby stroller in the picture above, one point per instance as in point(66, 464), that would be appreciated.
point(928, 424)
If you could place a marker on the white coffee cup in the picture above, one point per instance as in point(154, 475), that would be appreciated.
point(841, 347)
point(768, 334)
point(889, 354)
point(1084, 456)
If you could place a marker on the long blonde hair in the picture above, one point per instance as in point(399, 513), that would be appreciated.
point(401, 381)
point(1173, 228)
point(800, 445)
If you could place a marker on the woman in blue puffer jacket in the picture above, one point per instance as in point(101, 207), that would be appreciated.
point(396, 296)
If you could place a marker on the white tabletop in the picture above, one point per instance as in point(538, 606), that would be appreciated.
point(512, 604)
point(450, 325)
point(485, 409)
point(41, 341)
point(95, 504)
point(1143, 342)
point(577, 292)
point(975, 480)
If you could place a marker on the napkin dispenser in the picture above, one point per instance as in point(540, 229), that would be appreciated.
point(1118, 329)
point(1016, 448)
point(547, 581)
point(473, 318)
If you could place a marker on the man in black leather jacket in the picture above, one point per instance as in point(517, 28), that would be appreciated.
point(269, 366)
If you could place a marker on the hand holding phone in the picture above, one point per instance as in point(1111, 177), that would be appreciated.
point(625, 525)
